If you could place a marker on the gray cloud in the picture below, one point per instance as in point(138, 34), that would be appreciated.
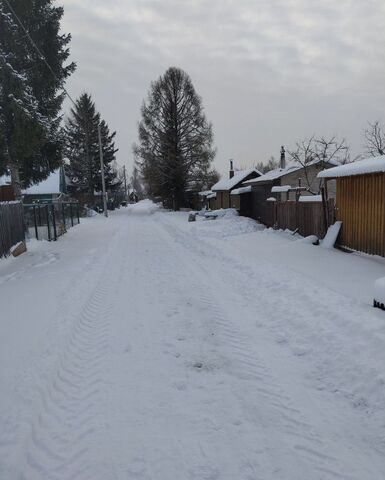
point(269, 71)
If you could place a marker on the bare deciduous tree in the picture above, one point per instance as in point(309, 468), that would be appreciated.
point(319, 149)
point(375, 139)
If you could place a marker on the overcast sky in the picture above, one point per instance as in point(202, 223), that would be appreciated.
point(270, 72)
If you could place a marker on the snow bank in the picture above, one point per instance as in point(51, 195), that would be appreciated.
point(227, 223)
point(311, 239)
point(144, 207)
point(379, 290)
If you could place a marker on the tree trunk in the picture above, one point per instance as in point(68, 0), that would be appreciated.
point(15, 179)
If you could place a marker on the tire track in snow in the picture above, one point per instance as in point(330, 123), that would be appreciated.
point(71, 404)
point(63, 435)
point(288, 428)
point(278, 406)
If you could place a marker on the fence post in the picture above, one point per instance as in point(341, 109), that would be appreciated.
point(324, 209)
point(72, 217)
point(54, 221)
point(48, 226)
point(35, 222)
point(63, 217)
point(39, 211)
point(78, 212)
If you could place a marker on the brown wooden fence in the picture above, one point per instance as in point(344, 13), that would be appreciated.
point(361, 208)
point(7, 193)
point(11, 226)
point(308, 218)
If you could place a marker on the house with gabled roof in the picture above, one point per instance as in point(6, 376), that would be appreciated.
point(225, 186)
point(286, 183)
point(48, 190)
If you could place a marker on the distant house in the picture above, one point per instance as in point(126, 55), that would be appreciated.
point(224, 188)
point(360, 203)
point(48, 190)
point(287, 183)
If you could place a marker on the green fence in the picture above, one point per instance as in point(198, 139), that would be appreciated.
point(50, 220)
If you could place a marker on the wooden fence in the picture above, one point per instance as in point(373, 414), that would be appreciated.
point(7, 193)
point(11, 226)
point(361, 208)
point(307, 218)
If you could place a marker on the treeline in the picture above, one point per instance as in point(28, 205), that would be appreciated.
point(34, 67)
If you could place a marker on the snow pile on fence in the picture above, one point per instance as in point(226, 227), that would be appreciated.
point(310, 198)
point(227, 223)
point(144, 207)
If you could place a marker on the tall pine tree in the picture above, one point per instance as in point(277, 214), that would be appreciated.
point(31, 94)
point(175, 139)
point(82, 148)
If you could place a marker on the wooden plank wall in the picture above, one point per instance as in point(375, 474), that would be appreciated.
point(11, 226)
point(361, 208)
point(7, 193)
point(305, 217)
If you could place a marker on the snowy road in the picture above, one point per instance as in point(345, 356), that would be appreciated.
point(144, 347)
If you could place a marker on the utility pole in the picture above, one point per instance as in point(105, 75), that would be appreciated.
point(125, 183)
point(102, 172)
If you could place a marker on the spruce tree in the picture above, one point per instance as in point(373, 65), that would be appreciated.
point(31, 93)
point(82, 148)
point(175, 139)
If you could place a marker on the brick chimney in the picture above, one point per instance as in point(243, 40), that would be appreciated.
point(283, 159)
point(231, 173)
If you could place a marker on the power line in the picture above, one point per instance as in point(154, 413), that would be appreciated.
point(42, 57)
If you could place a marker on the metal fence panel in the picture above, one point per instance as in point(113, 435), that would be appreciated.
point(50, 220)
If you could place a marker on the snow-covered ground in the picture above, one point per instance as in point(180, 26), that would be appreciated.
point(145, 347)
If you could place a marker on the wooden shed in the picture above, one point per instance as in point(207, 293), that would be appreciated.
point(360, 203)
point(225, 186)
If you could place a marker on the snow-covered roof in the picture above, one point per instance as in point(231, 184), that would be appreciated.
point(361, 167)
point(281, 172)
point(211, 195)
point(271, 199)
point(310, 198)
point(5, 180)
point(49, 185)
point(204, 193)
point(281, 189)
point(229, 183)
point(240, 190)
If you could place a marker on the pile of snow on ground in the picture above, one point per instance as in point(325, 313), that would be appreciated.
point(226, 224)
point(379, 290)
